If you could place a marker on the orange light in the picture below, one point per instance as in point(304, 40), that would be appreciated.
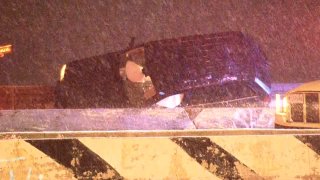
point(5, 49)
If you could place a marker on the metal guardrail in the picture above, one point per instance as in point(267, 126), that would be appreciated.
point(153, 122)
point(154, 133)
point(49, 120)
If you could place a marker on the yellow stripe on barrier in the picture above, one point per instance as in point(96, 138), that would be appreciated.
point(280, 156)
point(274, 157)
point(20, 160)
point(145, 158)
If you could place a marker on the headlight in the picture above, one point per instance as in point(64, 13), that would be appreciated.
point(171, 101)
point(63, 71)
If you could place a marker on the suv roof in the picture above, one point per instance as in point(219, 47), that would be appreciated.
point(179, 64)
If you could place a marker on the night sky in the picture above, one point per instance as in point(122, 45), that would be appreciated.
point(47, 34)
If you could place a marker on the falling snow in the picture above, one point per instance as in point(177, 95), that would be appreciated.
point(47, 34)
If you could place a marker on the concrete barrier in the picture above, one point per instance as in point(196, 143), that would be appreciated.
point(270, 156)
point(154, 144)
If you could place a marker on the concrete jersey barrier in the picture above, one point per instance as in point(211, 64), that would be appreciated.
point(272, 156)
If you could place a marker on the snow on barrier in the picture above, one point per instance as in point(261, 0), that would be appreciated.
point(134, 119)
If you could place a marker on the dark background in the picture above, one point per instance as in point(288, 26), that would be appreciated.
point(47, 34)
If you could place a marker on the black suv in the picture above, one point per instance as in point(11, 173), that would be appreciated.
point(221, 69)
